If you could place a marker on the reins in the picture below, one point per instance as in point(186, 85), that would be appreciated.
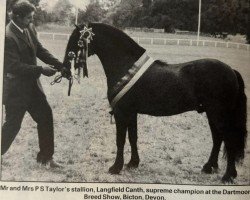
point(58, 79)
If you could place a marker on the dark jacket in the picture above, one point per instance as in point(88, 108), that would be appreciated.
point(21, 73)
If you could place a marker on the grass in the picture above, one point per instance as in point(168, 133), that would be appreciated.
point(172, 149)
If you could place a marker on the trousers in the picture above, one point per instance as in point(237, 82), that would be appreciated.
point(41, 113)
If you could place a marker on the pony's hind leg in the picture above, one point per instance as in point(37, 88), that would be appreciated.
point(231, 172)
point(212, 164)
point(222, 126)
point(132, 134)
point(121, 129)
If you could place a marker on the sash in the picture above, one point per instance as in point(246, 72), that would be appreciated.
point(142, 64)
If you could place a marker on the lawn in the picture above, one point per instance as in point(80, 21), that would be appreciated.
point(172, 149)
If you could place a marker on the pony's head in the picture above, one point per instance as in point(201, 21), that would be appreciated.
point(77, 49)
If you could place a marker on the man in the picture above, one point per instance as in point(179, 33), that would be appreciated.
point(22, 90)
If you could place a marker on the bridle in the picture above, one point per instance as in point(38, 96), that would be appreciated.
point(78, 60)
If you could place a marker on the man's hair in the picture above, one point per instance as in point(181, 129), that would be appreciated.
point(22, 8)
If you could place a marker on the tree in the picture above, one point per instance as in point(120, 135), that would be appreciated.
point(40, 16)
point(62, 12)
point(248, 27)
point(146, 3)
point(34, 2)
point(221, 16)
point(94, 12)
point(125, 12)
point(9, 4)
point(181, 14)
point(244, 18)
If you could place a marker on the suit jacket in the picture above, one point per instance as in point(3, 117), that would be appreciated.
point(21, 73)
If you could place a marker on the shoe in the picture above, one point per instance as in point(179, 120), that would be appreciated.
point(51, 164)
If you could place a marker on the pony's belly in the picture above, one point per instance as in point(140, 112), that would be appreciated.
point(166, 106)
point(156, 111)
point(161, 113)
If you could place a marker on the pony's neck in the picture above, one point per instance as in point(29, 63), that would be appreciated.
point(116, 64)
point(117, 53)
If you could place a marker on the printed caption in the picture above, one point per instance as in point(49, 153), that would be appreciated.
point(122, 193)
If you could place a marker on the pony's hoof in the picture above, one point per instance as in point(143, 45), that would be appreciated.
point(114, 170)
point(207, 169)
point(227, 179)
point(132, 164)
point(210, 169)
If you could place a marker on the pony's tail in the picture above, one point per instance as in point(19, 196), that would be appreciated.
point(240, 120)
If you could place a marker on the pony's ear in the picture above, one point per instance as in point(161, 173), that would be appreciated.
point(78, 27)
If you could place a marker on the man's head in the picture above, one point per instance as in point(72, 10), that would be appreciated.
point(22, 13)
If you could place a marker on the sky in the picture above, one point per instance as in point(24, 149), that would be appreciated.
point(79, 3)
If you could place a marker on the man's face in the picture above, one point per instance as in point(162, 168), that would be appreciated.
point(25, 21)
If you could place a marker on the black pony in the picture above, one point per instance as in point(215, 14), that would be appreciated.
point(162, 89)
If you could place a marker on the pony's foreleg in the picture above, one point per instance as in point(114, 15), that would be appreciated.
point(132, 135)
point(212, 164)
point(121, 129)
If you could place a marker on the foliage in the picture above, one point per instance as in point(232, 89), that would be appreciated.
point(93, 13)
point(182, 14)
point(125, 13)
point(10, 3)
point(61, 13)
point(34, 2)
point(248, 29)
point(146, 3)
point(218, 17)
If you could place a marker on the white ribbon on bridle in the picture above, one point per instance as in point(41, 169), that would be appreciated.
point(90, 34)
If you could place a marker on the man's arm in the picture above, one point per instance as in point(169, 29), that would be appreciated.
point(13, 63)
point(43, 54)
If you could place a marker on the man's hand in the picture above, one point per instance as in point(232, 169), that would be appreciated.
point(66, 73)
point(48, 71)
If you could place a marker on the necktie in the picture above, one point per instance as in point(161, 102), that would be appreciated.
point(27, 36)
point(25, 33)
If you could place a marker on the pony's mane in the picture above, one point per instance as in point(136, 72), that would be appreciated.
point(119, 37)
